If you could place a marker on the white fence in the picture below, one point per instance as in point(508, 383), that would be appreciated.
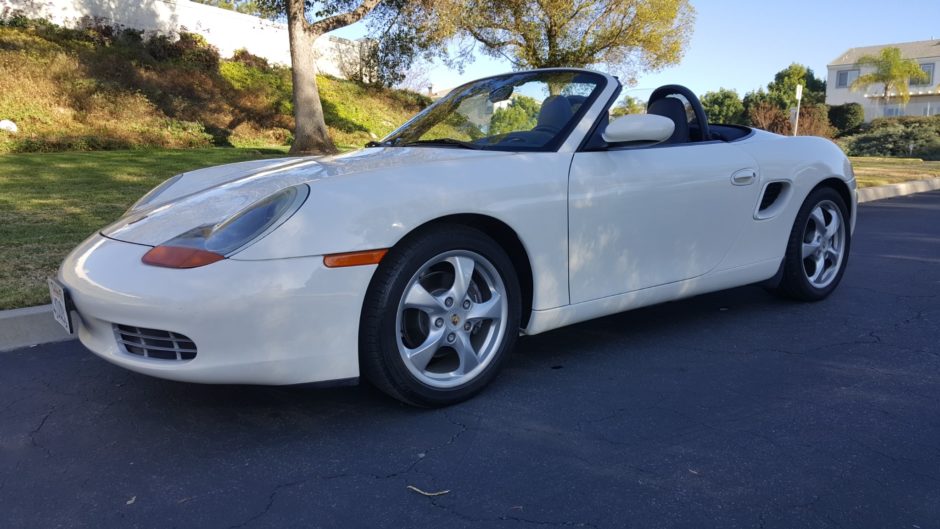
point(224, 29)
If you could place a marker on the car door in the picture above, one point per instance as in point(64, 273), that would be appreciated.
point(644, 217)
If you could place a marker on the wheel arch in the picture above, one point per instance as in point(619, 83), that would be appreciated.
point(841, 187)
point(838, 185)
point(506, 237)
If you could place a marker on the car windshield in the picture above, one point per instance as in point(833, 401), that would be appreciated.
point(531, 111)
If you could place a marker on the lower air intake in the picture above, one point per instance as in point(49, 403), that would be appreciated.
point(154, 343)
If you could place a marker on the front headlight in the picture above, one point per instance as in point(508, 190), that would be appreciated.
point(208, 244)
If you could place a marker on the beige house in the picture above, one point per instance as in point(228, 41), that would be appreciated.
point(925, 97)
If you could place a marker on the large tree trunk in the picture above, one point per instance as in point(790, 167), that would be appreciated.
point(310, 132)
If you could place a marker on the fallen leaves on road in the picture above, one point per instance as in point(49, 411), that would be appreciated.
point(423, 493)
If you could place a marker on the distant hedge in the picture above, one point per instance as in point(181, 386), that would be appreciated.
point(917, 136)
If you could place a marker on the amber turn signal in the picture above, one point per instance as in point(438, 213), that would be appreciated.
point(179, 257)
point(368, 257)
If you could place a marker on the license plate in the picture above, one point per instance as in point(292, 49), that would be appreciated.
point(60, 305)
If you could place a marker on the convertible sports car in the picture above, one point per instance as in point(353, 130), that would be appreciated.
point(515, 204)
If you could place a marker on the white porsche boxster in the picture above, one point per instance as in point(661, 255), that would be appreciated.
point(514, 205)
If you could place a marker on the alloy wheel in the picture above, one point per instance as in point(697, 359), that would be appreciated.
point(451, 319)
point(823, 244)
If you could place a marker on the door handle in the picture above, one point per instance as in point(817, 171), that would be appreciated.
point(744, 177)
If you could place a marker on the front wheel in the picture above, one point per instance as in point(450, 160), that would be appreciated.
point(818, 248)
point(441, 315)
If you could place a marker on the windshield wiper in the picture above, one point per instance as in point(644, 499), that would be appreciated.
point(378, 144)
point(449, 142)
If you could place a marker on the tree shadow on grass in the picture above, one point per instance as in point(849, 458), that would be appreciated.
point(333, 119)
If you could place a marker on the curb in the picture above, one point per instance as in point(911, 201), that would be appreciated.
point(867, 194)
point(29, 326)
point(35, 325)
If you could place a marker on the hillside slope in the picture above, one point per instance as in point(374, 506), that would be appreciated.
point(109, 88)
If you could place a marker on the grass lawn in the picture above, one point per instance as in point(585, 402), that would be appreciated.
point(881, 171)
point(51, 202)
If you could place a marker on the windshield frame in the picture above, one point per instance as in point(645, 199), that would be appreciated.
point(552, 146)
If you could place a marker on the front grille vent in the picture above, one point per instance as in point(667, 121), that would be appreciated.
point(771, 193)
point(156, 344)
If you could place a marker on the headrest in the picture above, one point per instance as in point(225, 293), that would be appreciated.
point(673, 109)
point(555, 113)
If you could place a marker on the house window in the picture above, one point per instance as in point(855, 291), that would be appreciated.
point(928, 69)
point(893, 111)
point(845, 78)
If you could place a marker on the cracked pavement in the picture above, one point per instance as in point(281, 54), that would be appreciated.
point(734, 409)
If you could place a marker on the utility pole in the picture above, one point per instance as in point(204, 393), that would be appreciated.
point(799, 97)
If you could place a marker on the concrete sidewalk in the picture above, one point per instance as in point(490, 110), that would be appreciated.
point(35, 325)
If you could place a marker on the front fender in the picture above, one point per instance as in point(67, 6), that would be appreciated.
point(526, 191)
point(804, 162)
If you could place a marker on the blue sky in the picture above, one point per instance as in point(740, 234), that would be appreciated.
point(741, 44)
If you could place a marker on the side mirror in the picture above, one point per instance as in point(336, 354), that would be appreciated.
point(639, 127)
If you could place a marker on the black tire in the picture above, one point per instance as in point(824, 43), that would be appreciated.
point(794, 283)
point(381, 363)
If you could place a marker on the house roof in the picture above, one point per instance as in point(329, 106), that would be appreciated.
point(910, 50)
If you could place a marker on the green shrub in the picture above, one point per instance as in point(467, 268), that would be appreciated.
point(189, 49)
point(846, 118)
point(247, 58)
point(919, 140)
point(14, 18)
point(932, 122)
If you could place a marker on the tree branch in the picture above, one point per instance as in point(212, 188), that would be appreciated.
point(328, 24)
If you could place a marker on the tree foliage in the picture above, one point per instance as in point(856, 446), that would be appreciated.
point(892, 71)
point(627, 105)
point(398, 40)
point(724, 106)
point(770, 109)
point(626, 36)
point(782, 90)
point(522, 113)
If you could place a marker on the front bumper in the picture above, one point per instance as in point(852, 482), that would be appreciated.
point(280, 321)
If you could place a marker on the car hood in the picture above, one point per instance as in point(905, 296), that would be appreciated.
point(210, 196)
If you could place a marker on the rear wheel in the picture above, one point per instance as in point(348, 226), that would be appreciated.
point(818, 248)
point(441, 315)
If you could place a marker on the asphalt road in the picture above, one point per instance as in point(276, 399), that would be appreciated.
point(734, 409)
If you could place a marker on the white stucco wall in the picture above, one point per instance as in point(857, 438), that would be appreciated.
point(224, 29)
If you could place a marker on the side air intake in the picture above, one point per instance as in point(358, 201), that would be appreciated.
point(771, 194)
point(772, 199)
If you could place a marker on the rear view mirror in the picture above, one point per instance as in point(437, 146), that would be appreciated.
point(639, 127)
